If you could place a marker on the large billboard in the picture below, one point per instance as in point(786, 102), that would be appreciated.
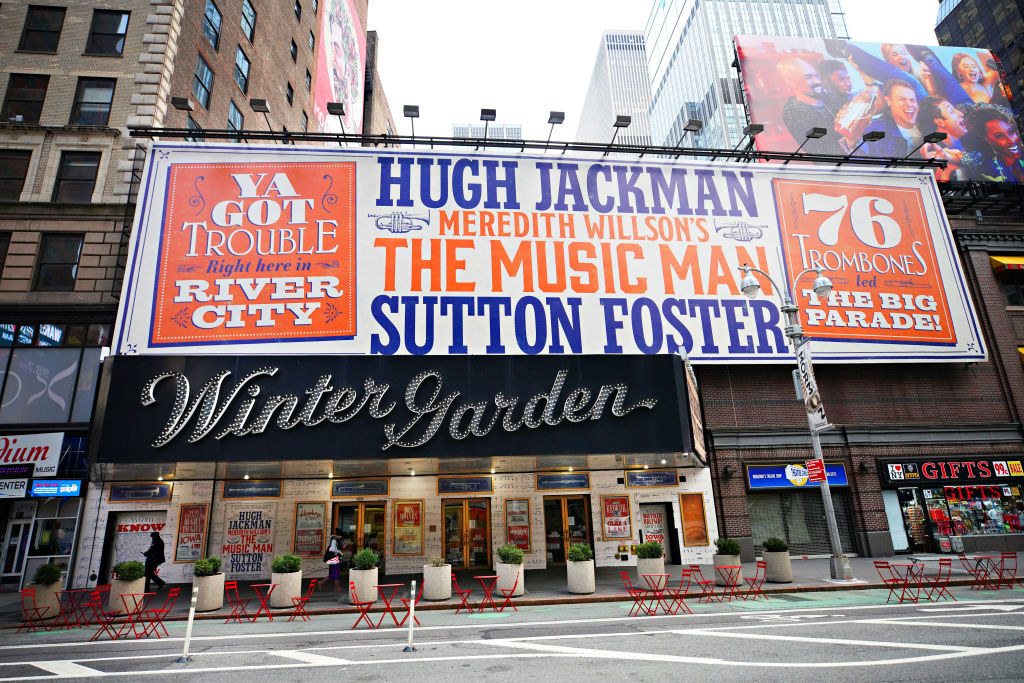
point(904, 91)
point(341, 66)
point(264, 250)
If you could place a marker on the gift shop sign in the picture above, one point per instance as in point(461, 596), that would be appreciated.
point(957, 471)
point(345, 251)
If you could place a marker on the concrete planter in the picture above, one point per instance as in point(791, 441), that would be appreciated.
point(118, 587)
point(507, 578)
point(211, 592)
point(648, 565)
point(779, 569)
point(366, 584)
point(581, 576)
point(437, 582)
point(288, 586)
point(46, 600)
point(727, 561)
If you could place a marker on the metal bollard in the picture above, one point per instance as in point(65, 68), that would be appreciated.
point(412, 617)
point(184, 658)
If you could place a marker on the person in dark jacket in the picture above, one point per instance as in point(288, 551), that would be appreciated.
point(154, 558)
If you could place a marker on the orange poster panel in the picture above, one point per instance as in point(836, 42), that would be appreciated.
point(875, 245)
point(254, 252)
point(695, 522)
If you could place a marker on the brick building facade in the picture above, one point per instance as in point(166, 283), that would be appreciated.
point(883, 411)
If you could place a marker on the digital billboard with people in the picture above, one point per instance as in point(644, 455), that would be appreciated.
point(904, 92)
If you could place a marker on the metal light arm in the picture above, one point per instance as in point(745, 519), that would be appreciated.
point(793, 329)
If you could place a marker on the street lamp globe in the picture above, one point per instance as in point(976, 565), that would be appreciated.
point(822, 285)
point(749, 284)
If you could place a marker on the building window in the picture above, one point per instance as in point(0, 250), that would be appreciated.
point(92, 101)
point(211, 24)
point(106, 37)
point(309, 80)
point(25, 95)
point(305, 121)
point(1012, 282)
point(76, 177)
point(298, 10)
point(42, 29)
point(242, 70)
point(248, 20)
point(191, 124)
point(294, 50)
point(13, 170)
point(57, 265)
point(5, 245)
point(289, 93)
point(235, 119)
point(202, 82)
point(311, 40)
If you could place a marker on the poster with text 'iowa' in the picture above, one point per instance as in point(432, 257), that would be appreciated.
point(257, 250)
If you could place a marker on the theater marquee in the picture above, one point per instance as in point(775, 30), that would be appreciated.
point(343, 251)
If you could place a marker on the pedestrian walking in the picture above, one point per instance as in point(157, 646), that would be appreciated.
point(154, 558)
point(332, 557)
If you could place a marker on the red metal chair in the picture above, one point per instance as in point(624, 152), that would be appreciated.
point(707, 586)
point(238, 611)
point(155, 617)
point(363, 607)
point(300, 602)
point(507, 592)
point(678, 595)
point(891, 581)
point(105, 620)
point(639, 595)
point(406, 601)
point(754, 585)
point(33, 615)
point(978, 573)
point(464, 594)
point(937, 586)
point(1007, 568)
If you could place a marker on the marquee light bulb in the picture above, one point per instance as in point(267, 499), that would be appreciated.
point(245, 477)
point(570, 469)
point(645, 467)
point(663, 461)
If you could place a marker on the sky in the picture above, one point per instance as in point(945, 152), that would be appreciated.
point(525, 58)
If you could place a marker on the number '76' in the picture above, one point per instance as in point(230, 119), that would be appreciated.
point(868, 216)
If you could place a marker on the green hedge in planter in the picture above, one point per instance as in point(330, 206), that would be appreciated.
point(510, 554)
point(651, 550)
point(727, 546)
point(208, 566)
point(129, 571)
point(286, 564)
point(364, 559)
point(46, 575)
point(775, 545)
point(580, 552)
point(437, 561)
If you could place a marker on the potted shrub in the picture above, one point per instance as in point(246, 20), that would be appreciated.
point(776, 557)
point(508, 567)
point(728, 555)
point(364, 575)
point(650, 559)
point(46, 582)
point(580, 568)
point(209, 579)
point(129, 577)
point(437, 579)
point(286, 571)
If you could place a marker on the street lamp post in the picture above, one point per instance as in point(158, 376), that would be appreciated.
point(816, 420)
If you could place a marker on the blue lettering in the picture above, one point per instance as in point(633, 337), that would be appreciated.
point(388, 180)
point(394, 341)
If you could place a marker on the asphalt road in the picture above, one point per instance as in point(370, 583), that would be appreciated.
point(850, 635)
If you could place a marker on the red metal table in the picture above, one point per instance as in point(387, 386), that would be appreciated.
point(134, 607)
point(381, 590)
point(488, 589)
point(989, 570)
point(657, 582)
point(909, 577)
point(730, 576)
point(71, 610)
point(264, 599)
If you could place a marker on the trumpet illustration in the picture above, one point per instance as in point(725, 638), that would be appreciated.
point(400, 221)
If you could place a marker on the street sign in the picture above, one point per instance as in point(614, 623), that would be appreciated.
point(815, 470)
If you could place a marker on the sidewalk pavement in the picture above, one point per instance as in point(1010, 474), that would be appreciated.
point(550, 587)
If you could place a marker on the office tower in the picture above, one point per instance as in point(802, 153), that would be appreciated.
point(690, 58)
point(619, 85)
point(997, 25)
